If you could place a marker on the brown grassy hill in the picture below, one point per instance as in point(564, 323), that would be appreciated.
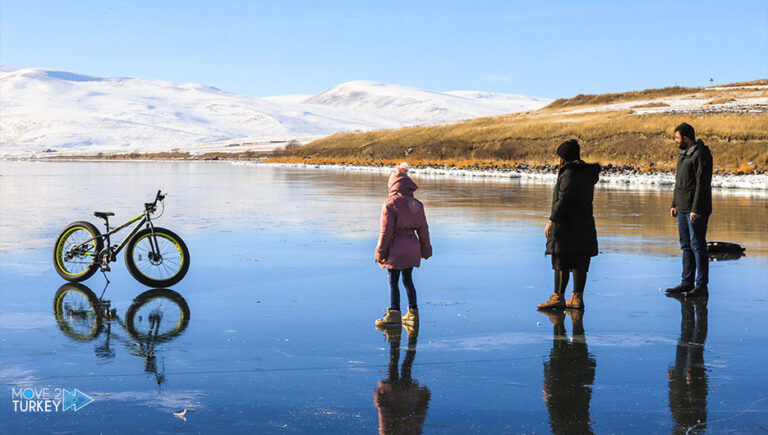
point(731, 119)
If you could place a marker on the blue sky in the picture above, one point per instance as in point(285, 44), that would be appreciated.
point(262, 48)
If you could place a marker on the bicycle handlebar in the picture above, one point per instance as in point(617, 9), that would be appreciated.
point(153, 205)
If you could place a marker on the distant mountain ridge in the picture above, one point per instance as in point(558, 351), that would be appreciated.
point(63, 111)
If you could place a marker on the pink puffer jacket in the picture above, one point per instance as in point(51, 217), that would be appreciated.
point(404, 238)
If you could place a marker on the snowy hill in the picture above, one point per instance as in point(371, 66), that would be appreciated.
point(421, 106)
point(74, 113)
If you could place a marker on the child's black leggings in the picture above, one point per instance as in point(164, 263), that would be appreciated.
point(394, 288)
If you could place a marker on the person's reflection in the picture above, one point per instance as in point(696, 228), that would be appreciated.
point(568, 377)
point(688, 377)
point(402, 403)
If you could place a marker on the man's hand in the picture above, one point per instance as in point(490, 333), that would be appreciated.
point(548, 230)
point(673, 212)
point(694, 216)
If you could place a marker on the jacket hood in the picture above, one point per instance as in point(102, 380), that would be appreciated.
point(590, 170)
point(400, 182)
point(700, 147)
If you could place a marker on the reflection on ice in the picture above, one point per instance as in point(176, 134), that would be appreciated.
point(155, 316)
point(401, 402)
point(568, 376)
point(18, 376)
point(508, 340)
point(688, 379)
point(285, 291)
point(168, 399)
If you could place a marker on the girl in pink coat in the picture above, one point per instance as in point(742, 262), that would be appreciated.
point(403, 242)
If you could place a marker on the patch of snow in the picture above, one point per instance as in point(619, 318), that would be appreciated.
point(682, 104)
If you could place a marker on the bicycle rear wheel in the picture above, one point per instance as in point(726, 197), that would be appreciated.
point(76, 309)
point(75, 251)
point(160, 266)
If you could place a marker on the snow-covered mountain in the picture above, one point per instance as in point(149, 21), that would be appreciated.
point(62, 111)
point(419, 106)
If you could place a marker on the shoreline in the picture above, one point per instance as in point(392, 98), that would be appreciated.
point(752, 185)
point(614, 177)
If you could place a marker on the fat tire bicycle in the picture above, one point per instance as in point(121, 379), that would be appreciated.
point(154, 256)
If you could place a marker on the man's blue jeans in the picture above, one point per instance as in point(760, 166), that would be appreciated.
point(693, 242)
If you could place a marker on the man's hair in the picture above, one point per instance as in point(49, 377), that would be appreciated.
point(686, 130)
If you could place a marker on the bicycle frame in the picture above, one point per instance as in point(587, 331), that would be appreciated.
point(114, 250)
point(144, 218)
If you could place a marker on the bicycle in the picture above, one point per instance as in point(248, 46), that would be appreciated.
point(154, 256)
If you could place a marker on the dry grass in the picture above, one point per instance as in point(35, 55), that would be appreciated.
point(760, 82)
point(591, 99)
point(445, 163)
point(618, 138)
point(170, 155)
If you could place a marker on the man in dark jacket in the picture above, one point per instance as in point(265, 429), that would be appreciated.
point(692, 205)
point(570, 232)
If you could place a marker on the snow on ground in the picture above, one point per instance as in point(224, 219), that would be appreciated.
point(757, 102)
point(75, 113)
point(421, 106)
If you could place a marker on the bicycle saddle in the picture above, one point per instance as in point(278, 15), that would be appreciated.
point(103, 214)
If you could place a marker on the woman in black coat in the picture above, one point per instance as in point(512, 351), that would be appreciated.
point(571, 234)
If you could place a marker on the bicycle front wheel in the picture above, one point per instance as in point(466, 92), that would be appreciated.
point(74, 254)
point(157, 315)
point(161, 260)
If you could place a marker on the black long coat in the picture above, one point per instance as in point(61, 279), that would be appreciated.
point(693, 180)
point(574, 225)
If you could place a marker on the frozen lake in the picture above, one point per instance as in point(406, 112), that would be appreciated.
point(276, 332)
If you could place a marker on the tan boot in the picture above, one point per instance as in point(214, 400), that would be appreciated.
point(576, 302)
point(412, 316)
point(556, 301)
point(391, 318)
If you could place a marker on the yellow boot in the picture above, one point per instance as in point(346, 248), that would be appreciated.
point(391, 318)
point(411, 317)
point(576, 302)
point(556, 301)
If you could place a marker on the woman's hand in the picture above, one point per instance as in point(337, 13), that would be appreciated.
point(548, 232)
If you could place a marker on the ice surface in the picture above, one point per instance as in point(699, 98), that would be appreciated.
point(283, 292)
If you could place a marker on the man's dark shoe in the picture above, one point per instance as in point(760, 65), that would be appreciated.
point(698, 292)
point(682, 288)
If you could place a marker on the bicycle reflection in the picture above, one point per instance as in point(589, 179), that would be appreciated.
point(402, 403)
point(568, 377)
point(688, 383)
point(155, 316)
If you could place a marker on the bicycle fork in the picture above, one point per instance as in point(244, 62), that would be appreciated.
point(153, 245)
